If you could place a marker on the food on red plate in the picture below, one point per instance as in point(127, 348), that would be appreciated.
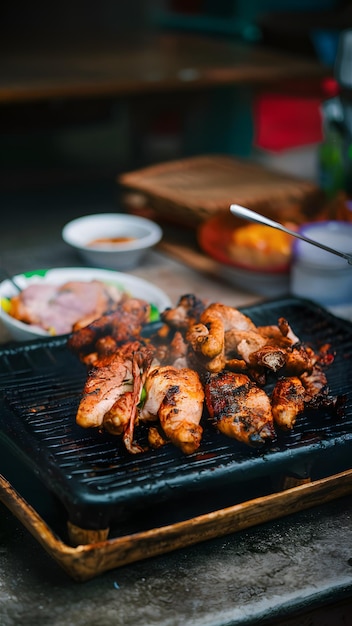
point(254, 247)
point(201, 366)
point(60, 308)
point(258, 246)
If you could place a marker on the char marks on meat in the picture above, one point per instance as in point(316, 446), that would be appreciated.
point(201, 357)
point(104, 335)
point(113, 390)
point(175, 397)
point(188, 310)
point(239, 408)
point(288, 401)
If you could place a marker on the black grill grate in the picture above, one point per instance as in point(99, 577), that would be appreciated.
point(98, 481)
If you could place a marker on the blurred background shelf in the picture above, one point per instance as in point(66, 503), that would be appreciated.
point(89, 92)
point(118, 106)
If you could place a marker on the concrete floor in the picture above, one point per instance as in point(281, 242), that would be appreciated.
point(248, 578)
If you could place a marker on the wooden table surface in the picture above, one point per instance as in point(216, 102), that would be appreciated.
point(153, 64)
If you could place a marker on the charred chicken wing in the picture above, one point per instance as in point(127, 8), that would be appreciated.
point(187, 311)
point(113, 390)
point(175, 397)
point(122, 325)
point(207, 338)
point(239, 408)
point(287, 401)
point(200, 353)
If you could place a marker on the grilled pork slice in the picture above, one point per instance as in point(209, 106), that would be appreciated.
point(287, 401)
point(175, 397)
point(240, 409)
point(58, 308)
point(31, 305)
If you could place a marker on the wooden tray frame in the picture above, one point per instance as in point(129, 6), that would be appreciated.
point(84, 562)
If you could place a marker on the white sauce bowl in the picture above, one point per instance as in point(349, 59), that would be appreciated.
point(81, 233)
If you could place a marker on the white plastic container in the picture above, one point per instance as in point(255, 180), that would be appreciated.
point(319, 275)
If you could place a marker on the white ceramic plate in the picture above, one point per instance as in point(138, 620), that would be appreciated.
point(135, 286)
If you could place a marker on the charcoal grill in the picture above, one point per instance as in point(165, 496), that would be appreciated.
point(100, 485)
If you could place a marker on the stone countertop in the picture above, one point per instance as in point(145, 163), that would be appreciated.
point(296, 570)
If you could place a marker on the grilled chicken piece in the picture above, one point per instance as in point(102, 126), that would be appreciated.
point(269, 357)
point(287, 401)
point(113, 389)
point(123, 415)
point(254, 350)
point(282, 333)
point(240, 409)
point(178, 348)
point(117, 418)
point(174, 353)
point(299, 360)
point(207, 338)
point(104, 385)
point(264, 347)
point(187, 311)
point(314, 381)
point(243, 343)
point(122, 325)
point(175, 397)
point(156, 437)
point(225, 337)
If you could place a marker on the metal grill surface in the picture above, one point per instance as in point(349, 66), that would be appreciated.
point(98, 481)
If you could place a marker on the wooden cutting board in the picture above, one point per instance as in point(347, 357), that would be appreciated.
point(190, 190)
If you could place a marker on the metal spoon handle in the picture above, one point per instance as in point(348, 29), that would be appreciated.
point(252, 216)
